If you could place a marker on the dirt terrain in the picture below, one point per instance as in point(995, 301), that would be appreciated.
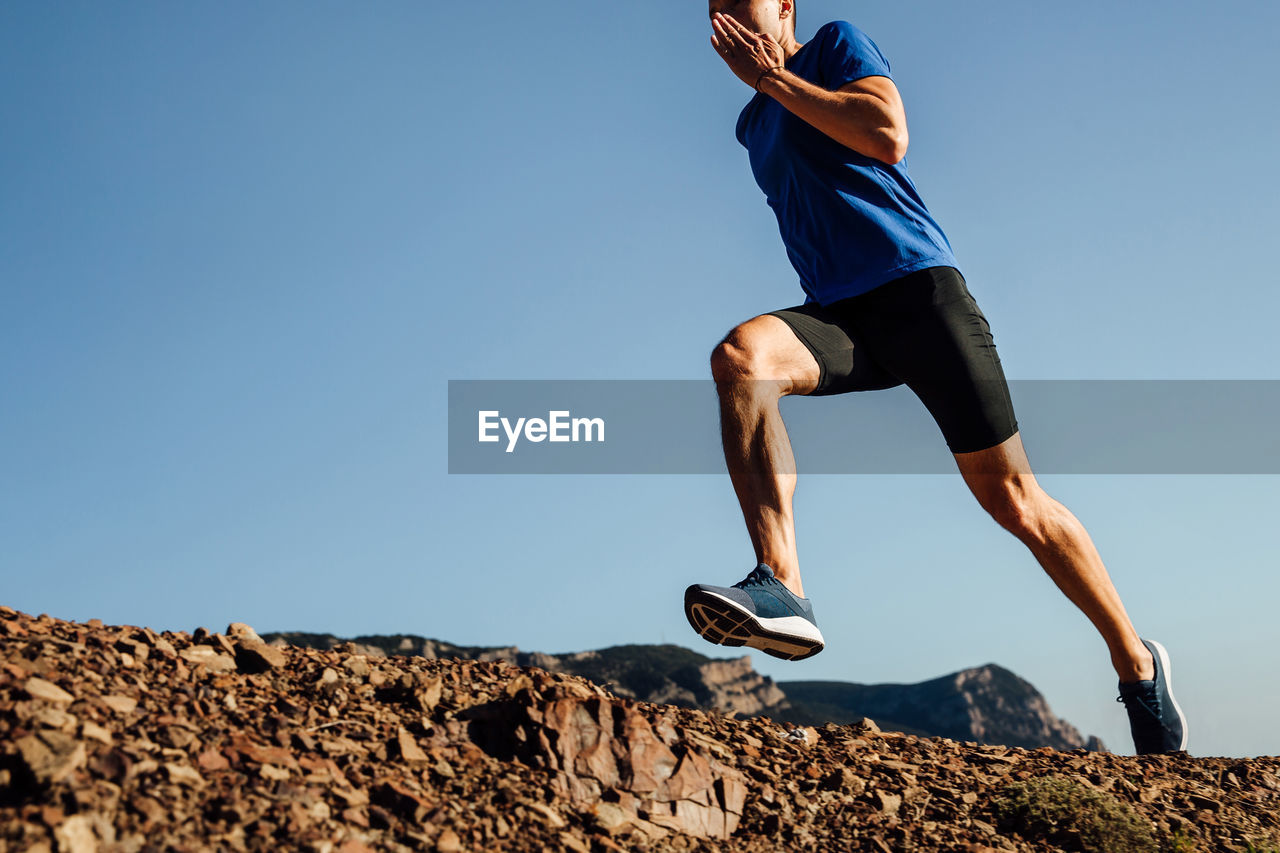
point(119, 738)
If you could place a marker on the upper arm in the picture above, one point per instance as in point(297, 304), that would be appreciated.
point(884, 90)
point(887, 117)
point(851, 62)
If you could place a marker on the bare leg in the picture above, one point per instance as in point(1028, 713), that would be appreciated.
point(1000, 478)
point(757, 363)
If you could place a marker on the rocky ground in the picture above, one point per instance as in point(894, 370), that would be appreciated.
point(118, 738)
point(988, 704)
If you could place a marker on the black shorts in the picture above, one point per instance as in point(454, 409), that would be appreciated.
point(924, 330)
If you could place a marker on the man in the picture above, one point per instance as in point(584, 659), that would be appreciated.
point(885, 305)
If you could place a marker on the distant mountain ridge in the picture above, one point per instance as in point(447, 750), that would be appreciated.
point(986, 704)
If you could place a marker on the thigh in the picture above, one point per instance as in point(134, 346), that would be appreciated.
point(844, 361)
point(928, 330)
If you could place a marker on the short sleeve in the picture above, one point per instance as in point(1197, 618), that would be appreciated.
point(849, 54)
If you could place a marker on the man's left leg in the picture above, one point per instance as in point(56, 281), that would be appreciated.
point(931, 332)
point(1000, 478)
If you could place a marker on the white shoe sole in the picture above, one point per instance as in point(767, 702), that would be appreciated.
point(726, 623)
point(1168, 686)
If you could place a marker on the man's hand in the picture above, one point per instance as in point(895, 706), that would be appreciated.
point(747, 54)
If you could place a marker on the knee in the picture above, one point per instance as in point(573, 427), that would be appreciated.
point(740, 357)
point(1012, 503)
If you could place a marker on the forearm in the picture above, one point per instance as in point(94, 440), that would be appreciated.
point(857, 120)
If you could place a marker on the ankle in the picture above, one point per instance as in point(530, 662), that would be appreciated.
point(1137, 665)
point(790, 578)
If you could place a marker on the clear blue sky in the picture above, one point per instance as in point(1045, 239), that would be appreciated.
point(243, 248)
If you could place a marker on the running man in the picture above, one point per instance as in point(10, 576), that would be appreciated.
point(884, 305)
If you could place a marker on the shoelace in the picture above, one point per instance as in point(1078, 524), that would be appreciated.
point(1142, 701)
point(758, 578)
point(765, 579)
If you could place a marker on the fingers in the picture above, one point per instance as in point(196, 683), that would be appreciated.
point(721, 34)
point(740, 29)
point(730, 36)
point(731, 46)
point(721, 48)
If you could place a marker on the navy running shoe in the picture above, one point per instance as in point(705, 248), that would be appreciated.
point(757, 611)
point(1157, 723)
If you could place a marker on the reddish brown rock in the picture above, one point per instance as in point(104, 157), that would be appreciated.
point(211, 760)
point(256, 656)
point(183, 774)
point(355, 846)
point(50, 756)
point(238, 631)
point(75, 835)
point(401, 800)
point(208, 657)
point(120, 704)
point(449, 842)
point(93, 731)
point(407, 746)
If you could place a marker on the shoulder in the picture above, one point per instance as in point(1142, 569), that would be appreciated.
point(843, 33)
point(838, 28)
point(846, 46)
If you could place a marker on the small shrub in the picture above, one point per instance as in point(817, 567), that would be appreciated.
point(1250, 847)
point(1178, 842)
point(1072, 816)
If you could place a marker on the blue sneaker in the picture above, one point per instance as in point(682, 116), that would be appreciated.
point(1157, 723)
point(757, 611)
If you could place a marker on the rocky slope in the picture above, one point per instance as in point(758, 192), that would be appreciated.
point(665, 674)
point(119, 738)
point(987, 704)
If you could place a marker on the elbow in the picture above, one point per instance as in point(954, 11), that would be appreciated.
point(894, 145)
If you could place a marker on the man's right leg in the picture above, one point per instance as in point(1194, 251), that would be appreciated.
point(754, 366)
point(807, 349)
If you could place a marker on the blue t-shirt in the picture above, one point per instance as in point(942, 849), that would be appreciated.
point(850, 222)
